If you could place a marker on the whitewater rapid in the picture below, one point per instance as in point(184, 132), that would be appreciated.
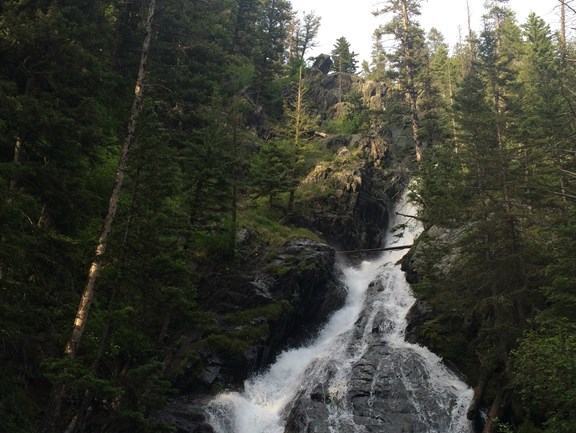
point(408, 384)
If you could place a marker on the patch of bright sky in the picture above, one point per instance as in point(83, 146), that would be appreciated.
point(354, 19)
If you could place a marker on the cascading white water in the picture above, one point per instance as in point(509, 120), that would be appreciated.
point(404, 386)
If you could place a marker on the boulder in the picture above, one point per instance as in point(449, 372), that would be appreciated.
point(323, 63)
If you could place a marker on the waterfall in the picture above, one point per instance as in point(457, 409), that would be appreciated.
point(359, 374)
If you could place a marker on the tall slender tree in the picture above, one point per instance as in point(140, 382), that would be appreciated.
point(410, 58)
point(83, 311)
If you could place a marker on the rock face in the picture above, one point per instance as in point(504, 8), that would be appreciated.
point(302, 278)
point(374, 94)
point(323, 63)
point(413, 265)
point(435, 238)
point(375, 401)
point(353, 214)
point(300, 282)
point(327, 91)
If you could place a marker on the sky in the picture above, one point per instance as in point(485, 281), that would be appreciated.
point(354, 19)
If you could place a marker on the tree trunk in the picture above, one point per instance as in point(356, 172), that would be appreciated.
point(479, 390)
point(496, 411)
point(84, 307)
point(71, 348)
point(411, 91)
point(300, 109)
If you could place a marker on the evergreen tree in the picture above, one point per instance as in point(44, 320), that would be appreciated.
point(303, 37)
point(410, 59)
point(379, 59)
point(59, 99)
point(344, 60)
point(543, 123)
point(271, 53)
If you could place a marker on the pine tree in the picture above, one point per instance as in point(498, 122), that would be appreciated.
point(82, 313)
point(379, 59)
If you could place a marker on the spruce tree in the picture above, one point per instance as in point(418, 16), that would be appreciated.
point(344, 60)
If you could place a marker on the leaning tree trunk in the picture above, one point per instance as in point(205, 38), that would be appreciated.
point(479, 391)
point(495, 413)
point(71, 348)
point(94, 272)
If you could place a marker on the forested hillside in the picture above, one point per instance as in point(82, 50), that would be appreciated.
point(497, 193)
point(151, 151)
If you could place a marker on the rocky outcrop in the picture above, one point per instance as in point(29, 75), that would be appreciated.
point(426, 325)
point(298, 283)
point(323, 64)
point(417, 316)
point(325, 90)
point(374, 401)
point(374, 94)
point(434, 239)
point(285, 295)
point(351, 211)
point(282, 298)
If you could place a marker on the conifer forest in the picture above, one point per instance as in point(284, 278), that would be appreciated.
point(154, 153)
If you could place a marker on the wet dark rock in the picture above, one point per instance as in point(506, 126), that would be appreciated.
point(309, 416)
point(381, 386)
point(376, 399)
point(186, 416)
point(419, 314)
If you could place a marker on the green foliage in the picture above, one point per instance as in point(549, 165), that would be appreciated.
point(344, 60)
point(272, 169)
point(266, 224)
point(233, 343)
point(355, 118)
point(497, 187)
point(75, 376)
point(545, 373)
point(267, 312)
point(205, 160)
point(16, 408)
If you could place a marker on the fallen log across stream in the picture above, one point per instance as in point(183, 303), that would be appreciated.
point(370, 250)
